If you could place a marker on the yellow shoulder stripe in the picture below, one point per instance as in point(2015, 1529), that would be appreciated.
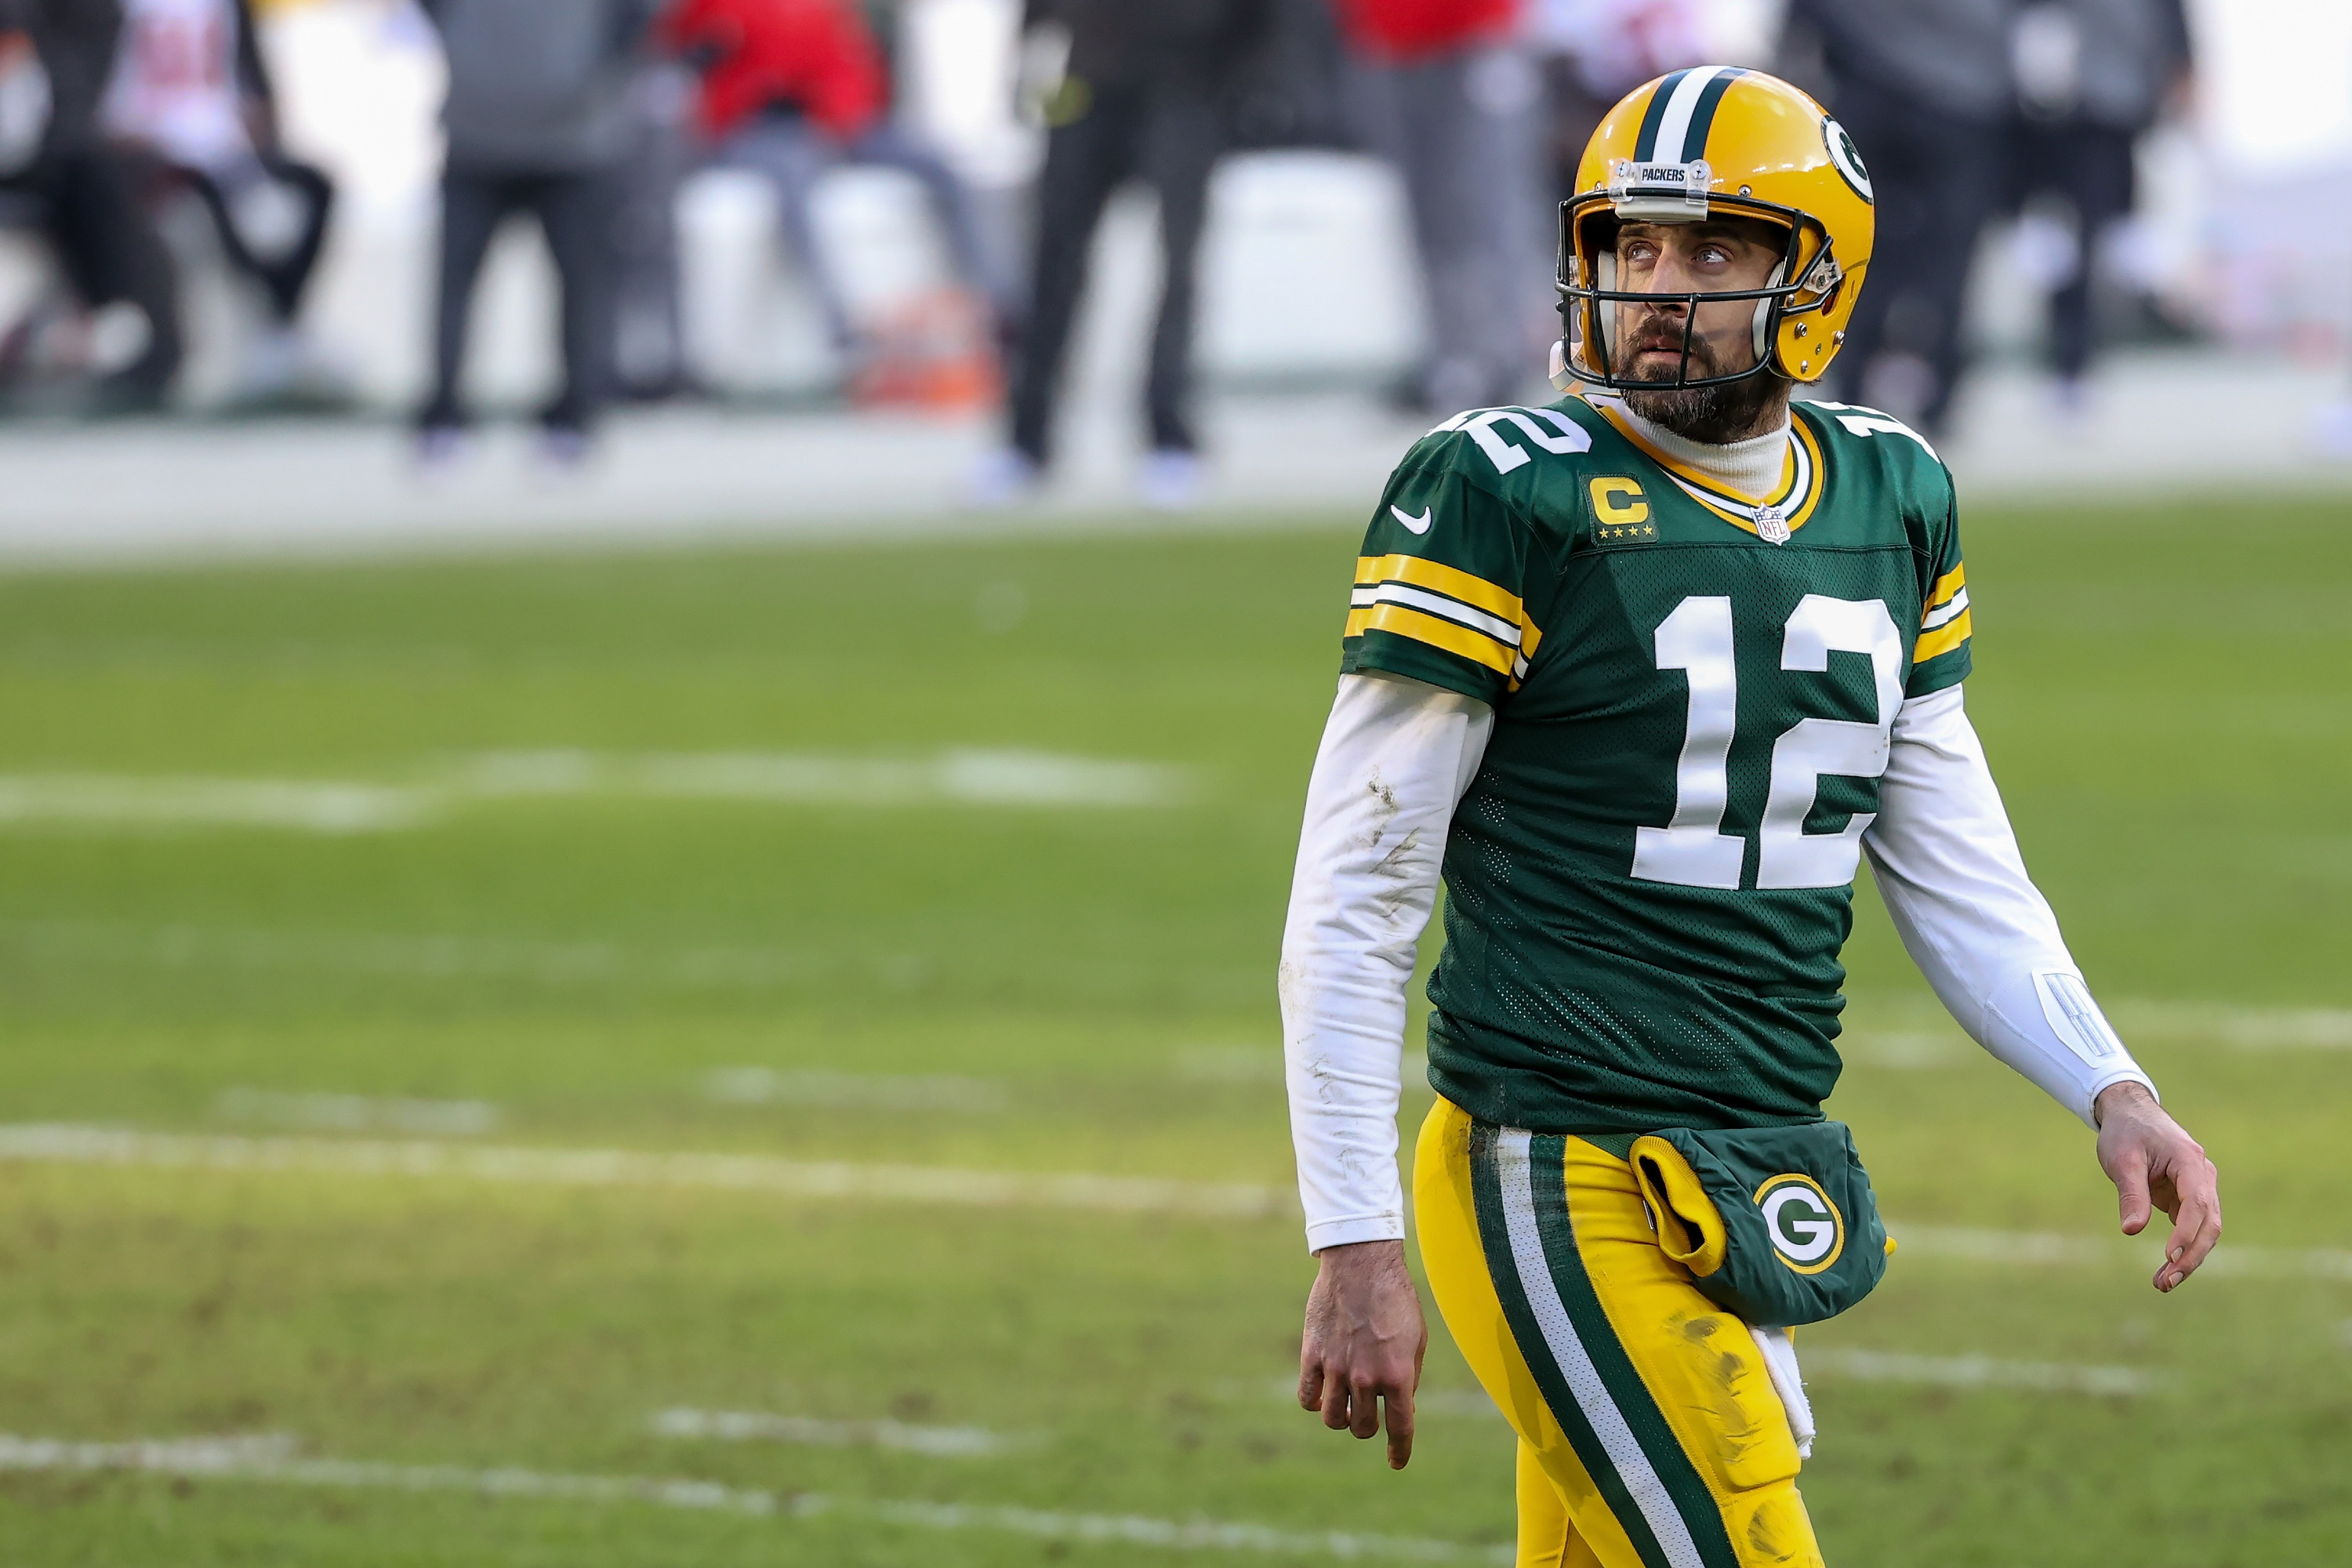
point(1943, 639)
point(1450, 581)
point(1949, 583)
point(1476, 646)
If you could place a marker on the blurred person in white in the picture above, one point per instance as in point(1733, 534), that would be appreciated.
point(2093, 78)
point(1143, 95)
point(191, 90)
point(1641, 676)
point(538, 121)
point(1924, 88)
point(84, 196)
point(1595, 52)
point(1447, 92)
point(794, 89)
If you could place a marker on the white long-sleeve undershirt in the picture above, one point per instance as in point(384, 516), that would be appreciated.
point(1397, 756)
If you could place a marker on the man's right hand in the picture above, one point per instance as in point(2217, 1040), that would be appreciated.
point(1363, 1344)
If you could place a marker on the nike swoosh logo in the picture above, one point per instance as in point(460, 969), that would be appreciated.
point(1418, 525)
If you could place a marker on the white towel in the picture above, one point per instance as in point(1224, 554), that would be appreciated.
point(1780, 1360)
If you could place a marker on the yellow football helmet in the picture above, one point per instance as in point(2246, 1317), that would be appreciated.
point(1717, 141)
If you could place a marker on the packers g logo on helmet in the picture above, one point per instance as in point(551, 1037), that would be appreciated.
point(1845, 156)
point(1718, 141)
point(1805, 1227)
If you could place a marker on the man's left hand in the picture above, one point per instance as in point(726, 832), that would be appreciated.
point(2153, 1161)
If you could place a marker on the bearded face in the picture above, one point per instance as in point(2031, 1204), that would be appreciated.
point(1674, 261)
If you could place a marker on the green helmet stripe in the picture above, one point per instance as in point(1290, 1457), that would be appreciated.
point(1702, 119)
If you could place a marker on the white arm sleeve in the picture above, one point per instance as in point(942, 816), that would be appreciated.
point(1946, 863)
point(1395, 758)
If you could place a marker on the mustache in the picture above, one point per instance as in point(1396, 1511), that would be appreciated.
point(1657, 333)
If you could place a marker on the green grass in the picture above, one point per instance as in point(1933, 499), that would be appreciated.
point(2163, 692)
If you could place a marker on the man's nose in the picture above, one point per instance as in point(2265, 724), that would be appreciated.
point(1671, 276)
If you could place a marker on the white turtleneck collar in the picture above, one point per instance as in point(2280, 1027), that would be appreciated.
point(1750, 467)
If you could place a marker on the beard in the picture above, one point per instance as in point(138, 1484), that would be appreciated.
point(1716, 415)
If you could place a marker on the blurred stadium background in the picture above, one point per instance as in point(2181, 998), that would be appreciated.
point(706, 995)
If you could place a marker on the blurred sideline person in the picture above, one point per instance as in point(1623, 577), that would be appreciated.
point(2093, 76)
point(190, 89)
point(1144, 96)
point(1445, 94)
point(793, 88)
point(1924, 88)
point(1596, 51)
point(538, 121)
point(1641, 677)
point(87, 198)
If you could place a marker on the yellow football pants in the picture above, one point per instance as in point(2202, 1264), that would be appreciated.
point(1650, 1433)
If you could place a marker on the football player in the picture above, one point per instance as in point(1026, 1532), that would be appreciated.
point(1642, 676)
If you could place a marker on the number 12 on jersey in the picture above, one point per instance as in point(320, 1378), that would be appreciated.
point(1693, 850)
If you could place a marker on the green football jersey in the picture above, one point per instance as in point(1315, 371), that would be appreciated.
point(1649, 881)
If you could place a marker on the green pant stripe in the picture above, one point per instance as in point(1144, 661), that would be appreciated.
point(1548, 1159)
point(1494, 1241)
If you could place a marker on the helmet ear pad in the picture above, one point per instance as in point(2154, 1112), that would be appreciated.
point(1762, 329)
point(1604, 311)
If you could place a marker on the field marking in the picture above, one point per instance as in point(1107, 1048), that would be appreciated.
point(1470, 1402)
point(962, 776)
point(760, 1427)
point(958, 776)
point(452, 957)
point(2049, 1249)
point(359, 1112)
point(58, 1143)
point(105, 800)
point(852, 1090)
point(1980, 1371)
point(74, 1143)
point(273, 1460)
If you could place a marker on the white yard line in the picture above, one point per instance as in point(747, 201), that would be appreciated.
point(967, 776)
point(761, 1426)
point(854, 1091)
point(271, 1460)
point(67, 1144)
point(359, 1112)
point(2048, 1249)
point(1977, 1372)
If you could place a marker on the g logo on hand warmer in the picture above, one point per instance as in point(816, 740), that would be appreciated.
point(1806, 1229)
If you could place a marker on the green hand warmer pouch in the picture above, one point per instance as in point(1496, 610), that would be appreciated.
point(1775, 1224)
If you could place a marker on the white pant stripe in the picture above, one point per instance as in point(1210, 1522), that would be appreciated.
point(1624, 1450)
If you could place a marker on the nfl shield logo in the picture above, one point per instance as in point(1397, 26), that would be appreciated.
point(1770, 526)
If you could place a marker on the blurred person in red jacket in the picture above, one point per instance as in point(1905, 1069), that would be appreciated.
point(792, 89)
point(1445, 92)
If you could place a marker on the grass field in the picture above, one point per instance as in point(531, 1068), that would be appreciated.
point(820, 856)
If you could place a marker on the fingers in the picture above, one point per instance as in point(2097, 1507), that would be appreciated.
point(2131, 1190)
point(1338, 1413)
point(2199, 1223)
point(1399, 1404)
point(1310, 1376)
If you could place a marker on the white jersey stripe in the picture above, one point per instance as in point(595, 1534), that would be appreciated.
point(1945, 611)
point(1675, 129)
point(1502, 631)
point(1624, 1450)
